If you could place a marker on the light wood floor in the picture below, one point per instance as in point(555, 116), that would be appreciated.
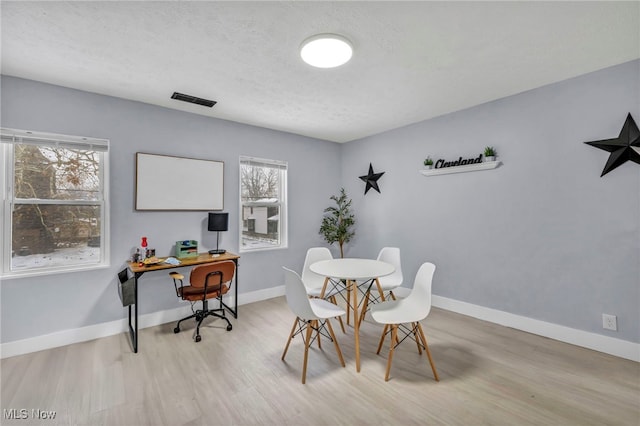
point(489, 375)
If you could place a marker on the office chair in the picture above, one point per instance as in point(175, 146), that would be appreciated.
point(388, 283)
point(312, 314)
point(208, 281)
point(314, 282)
point(394, 314)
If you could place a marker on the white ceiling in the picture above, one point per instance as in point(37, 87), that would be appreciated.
point(412, 60)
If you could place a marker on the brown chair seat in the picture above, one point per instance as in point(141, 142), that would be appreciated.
point(193, 293)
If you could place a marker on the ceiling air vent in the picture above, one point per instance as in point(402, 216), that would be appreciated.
point(192, 99)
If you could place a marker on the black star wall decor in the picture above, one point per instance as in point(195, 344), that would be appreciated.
point(626, 147)
point(371, 179)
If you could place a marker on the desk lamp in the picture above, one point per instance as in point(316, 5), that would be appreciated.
point(218, 222)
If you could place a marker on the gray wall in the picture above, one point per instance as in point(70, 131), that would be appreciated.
point(542, 236)
point(41, 305)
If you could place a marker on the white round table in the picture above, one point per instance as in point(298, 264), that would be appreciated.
point(353, 270)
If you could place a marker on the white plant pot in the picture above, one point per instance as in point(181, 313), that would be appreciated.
point(490, 158)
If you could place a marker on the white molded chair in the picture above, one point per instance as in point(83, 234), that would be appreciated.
point(395, 314)
point(312, 314)
point(314, 282)
point(387, 284)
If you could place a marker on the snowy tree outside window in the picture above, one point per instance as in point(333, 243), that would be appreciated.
point(263, 208)
point(54, 213)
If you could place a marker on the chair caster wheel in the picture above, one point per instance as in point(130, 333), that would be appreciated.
point(198, 338)
point(176, 330)
point(229, 327)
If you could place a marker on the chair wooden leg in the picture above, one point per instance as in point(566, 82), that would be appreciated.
point(416, 336)
point(426, 347)
point(335, 342)
point(334, 301)
point(393, 296)
point(307, 344)
point(318, 335)
point(380, 292)
point(367, 299)
point(394, 338)
point(293, 329)
point(365, 306)
point(384, 333)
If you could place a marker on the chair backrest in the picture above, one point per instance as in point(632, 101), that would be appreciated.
point(296, 295)
point(224, 274)
point(420, 296)
point(391, 255)
point(310, 278)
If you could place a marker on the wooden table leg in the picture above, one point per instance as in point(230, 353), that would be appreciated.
point(356, 326)
point(348, 286)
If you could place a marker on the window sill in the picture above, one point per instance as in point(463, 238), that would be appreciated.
point(257, 250)
point(48, 272)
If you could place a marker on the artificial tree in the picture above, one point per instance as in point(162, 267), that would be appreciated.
point(338, 221)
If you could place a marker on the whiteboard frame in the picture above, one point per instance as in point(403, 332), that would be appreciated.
point(165, 182)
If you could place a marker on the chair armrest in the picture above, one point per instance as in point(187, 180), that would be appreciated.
point(177, 277)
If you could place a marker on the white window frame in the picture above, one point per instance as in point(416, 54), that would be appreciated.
point(8, 139)
point(281, 203)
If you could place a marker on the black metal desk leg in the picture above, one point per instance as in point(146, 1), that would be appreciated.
point(235, 298)
point(134, 331)
point(234, 311)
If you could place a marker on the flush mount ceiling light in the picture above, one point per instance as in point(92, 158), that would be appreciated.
point(326, 50)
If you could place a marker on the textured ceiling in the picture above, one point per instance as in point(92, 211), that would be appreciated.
point(412, 60)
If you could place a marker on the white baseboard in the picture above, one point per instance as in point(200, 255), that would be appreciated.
point(91, 332)
point(598, 342)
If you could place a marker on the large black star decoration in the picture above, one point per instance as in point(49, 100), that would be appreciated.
point(625, 147)
point(371, 179)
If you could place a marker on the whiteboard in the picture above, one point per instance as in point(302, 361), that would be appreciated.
point(176, 183)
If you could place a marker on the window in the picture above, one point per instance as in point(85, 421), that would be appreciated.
point(55, 194)
point(263, 204)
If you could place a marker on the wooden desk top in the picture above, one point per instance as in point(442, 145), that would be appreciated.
point(184, 261)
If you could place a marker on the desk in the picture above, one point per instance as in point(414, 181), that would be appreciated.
point(353, 270)
point(202, 258)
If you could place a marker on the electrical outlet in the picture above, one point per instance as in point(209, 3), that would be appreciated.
point(609, 322)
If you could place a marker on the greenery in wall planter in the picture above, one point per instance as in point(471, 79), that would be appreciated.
point(338, 221)
point(490, 154)
point(428, 163)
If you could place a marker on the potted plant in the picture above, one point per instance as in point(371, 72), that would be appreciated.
point(338, 221)
point(428, 163)
point(490, 154)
